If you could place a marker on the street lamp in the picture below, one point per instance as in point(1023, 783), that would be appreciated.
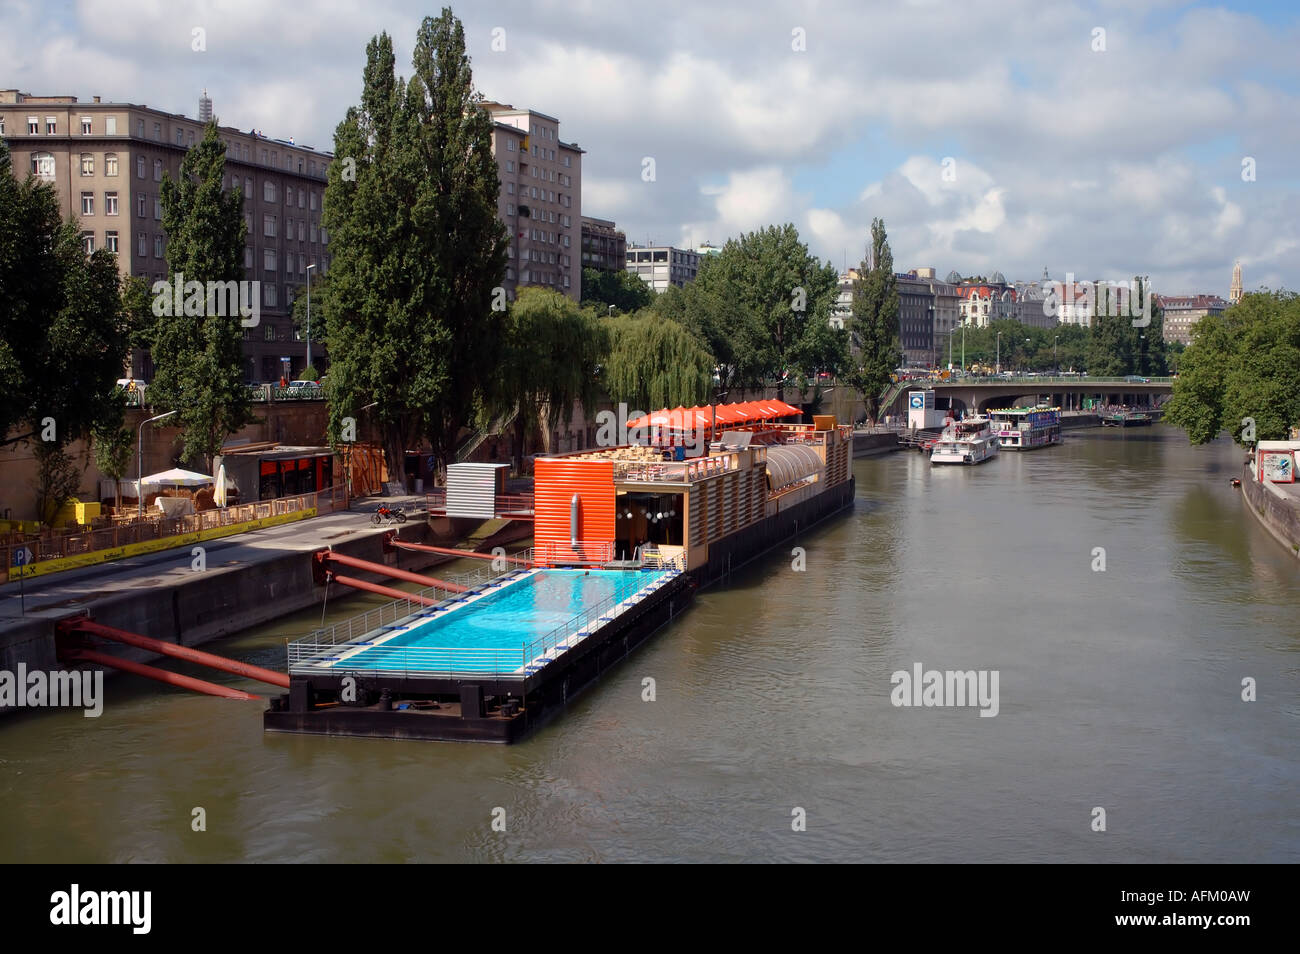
point(309, 268)
point(952, 331)
point(999, 364)
point(1026, 362)
point(139, 459)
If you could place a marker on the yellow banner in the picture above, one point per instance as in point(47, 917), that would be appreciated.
point(153, 546)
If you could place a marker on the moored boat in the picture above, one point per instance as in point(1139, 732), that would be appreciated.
point(1027, 428)
point(968, 441)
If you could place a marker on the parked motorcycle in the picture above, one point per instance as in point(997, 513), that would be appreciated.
point(385, 513)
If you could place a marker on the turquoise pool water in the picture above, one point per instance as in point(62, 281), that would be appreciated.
point(502, 623)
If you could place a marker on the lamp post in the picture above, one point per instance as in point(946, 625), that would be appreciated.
point(1026, 362)
point(1056, 354)
point(309, 268)
point(951, 332)
point(999, 359)
point(139, 459)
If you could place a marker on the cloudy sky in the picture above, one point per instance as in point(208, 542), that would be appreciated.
point(1105, 139)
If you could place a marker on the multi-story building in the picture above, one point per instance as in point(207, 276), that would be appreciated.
point(842, 310)
point(984, 300)
point(1235, 292)
point(916, 318)
point(107, 162)
point(540, 200)
point(1032, 306)
point(604, 247)
point(947, 315)
point(1182, 312)
point(662, 265)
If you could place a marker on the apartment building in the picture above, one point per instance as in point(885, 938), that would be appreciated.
point(604, 247)
point(107, 162)
point(540, 200)
point(916, 318)
point(662, 265)
point(1182, 312)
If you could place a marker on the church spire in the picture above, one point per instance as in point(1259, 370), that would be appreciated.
point(1234, 295)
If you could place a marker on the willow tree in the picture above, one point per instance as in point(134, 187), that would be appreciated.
point(198, 353)
point(551, 351)
point(875, 322)
point(411, 207)
point(654, 363)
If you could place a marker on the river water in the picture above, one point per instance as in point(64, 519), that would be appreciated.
point(1118, 690)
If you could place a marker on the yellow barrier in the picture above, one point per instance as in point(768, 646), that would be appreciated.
point(152, 546)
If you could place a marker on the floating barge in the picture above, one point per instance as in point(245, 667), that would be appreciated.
point(623, 536)
point(1127, 419)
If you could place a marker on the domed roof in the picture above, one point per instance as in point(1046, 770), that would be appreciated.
point(998, 278)
point(953, 277)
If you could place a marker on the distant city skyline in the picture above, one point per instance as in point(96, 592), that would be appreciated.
point(1167, 153)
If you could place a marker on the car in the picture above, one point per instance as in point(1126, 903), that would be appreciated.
point(1137, 379)
point(303, 384)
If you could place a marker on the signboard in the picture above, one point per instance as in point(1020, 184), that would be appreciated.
point(22, 556)
point(1278, 466)
point(920, 399)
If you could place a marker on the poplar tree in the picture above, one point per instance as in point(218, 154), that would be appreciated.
point(875, 322)
point(411, 208)
point(198, 357)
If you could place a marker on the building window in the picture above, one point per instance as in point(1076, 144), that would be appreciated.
point(157, 246)
point(248, 188)
point(87, 203)
point(139, 205)
point(248, 256)
point(110, 164)
point(302, 228)
point(157, 131)
point(139, 128)
point(566, 160)
point(263, 157)
point(269, 295)
point(510, 208)
point(510, 188)
point(51, 125)
point(268, 191)
point(110, 241)
point(510, 145)
point(288, 195)
point(510, 165)
point(288, 263)
point(110, 125)
point(269, 333)
point(142, 245)
point(157, 170)
point(313, 231)
point(566, 241)
point(33, 126)
point(85, 125)
point(43, 165)
point(2, 125)
point(180, 137)
point(110, 203)
point(157, 210)
point(87, 164)
point(88, 242)
point(268, 226)
point(313, 201)
point(268, 259)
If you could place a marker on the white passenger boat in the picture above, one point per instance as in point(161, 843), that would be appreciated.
point(968, 441)
point(1027, 428)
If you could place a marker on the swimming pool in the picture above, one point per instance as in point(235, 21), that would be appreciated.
point(511, 627)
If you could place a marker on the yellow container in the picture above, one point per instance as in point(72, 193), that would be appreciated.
point(824, 422)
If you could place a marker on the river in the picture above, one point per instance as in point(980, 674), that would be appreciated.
point(1118, 689)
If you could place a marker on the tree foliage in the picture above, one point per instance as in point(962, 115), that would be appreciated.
point(198, 358)
point(64, 332)
point(550, 352)
point(762, 308)
point(1241, 366)
point(655, 363)
point(418, 250)
point(875, 325)
point(625, 291)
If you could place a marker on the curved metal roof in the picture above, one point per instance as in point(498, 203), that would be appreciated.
point(790, 463)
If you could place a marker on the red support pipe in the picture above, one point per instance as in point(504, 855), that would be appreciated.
point(83, 625)
point(388, 591)
point(151, 672)
point(425, 548)
point(384, 570)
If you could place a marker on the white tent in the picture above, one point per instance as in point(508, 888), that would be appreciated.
point(176, 477)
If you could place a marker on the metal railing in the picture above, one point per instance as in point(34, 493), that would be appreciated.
point(57, 544)
point(324, 651)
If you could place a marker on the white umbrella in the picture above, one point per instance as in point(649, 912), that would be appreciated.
point(176, 477)
point(219, 498)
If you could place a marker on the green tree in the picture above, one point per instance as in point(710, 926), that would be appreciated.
point(114, 448)
point(625, 291)
point(655, 363)
point(64, 333)
point(875, 322)
point(761, 307)
point(550, 352)
point(198, 348)
point(1241, 368)
point(418, 249)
